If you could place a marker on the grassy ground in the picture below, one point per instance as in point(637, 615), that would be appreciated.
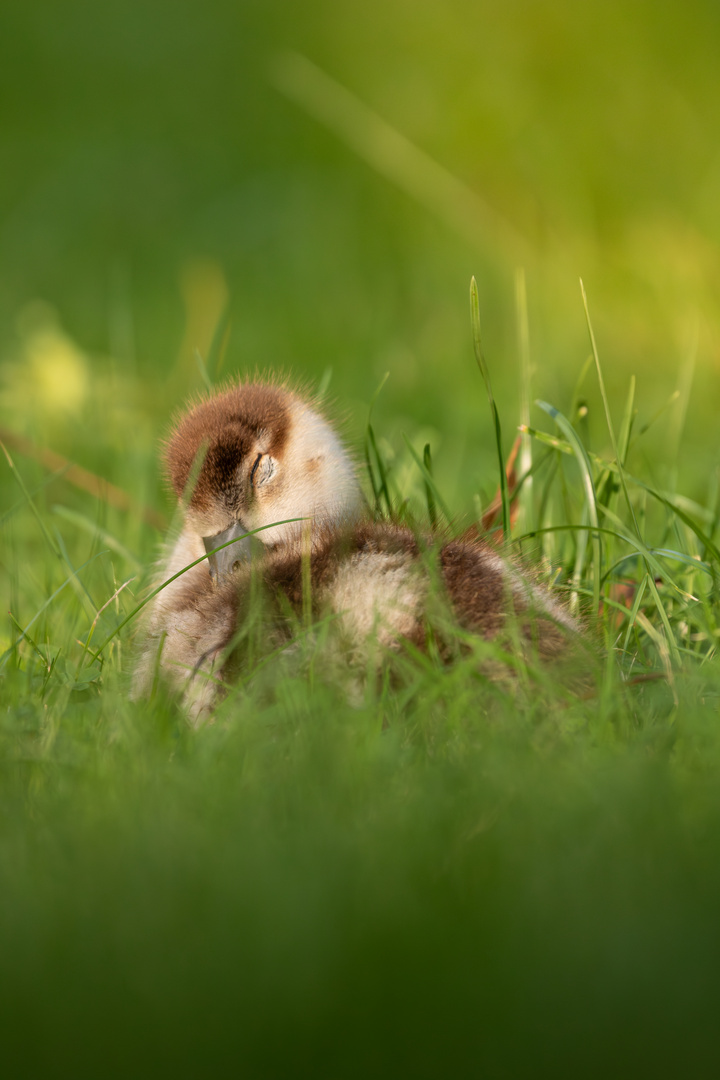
point(451, 878)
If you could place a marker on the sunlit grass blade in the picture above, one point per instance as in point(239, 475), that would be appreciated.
point(138, 608)
point(525, 490)
point(484, 371)
point(393, 155)
point(428, 480)
point(589, 487)
point(606, 406)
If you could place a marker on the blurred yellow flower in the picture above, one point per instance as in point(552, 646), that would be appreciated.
point(51, 375)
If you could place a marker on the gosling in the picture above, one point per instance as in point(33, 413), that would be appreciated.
point(254, 458)
point(259, 457)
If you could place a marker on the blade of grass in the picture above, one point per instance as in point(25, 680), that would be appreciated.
point(382, 487)
point(609, 486)
point(86, 643)
point(565, 448)
point(81, 478)
point(484, 371)
point(56, 545)
point(685, 381)
point(608, 601)
point(606, 405)
point(393, 155)
point(588, 484)
point(639, 593)
point(218, 345)
point(687, 560)
point(31, 503)
point(378, 487)
point(656, 415)
point(35, 491)
point(324, 383)
point(575, 400)
point(371, 476)
point(429, 496)
point(8, 652)
point(526, 456)
point(671, 643)
point(429, 481)
point(91, 527)
point(580, 556)
point(25, 635)
point(204, 374)
point(651, 563)
point(627, 421)
point(664, 553)
point(81, 589)
point(138, 608)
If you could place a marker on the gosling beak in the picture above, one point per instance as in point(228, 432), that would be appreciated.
point(223, 562)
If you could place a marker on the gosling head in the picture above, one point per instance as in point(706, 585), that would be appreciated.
point(253, 455)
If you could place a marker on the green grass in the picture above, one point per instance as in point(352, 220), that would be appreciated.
point(447, 877)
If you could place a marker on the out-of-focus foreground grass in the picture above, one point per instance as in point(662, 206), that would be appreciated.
point(438, 881)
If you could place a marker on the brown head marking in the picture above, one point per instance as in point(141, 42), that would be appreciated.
point(227, 426)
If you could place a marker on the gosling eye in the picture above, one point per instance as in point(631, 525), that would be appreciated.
point(258, 459)
point(263, 470)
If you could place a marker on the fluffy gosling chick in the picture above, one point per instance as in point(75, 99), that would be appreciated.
point(268, 456)
point(243, 459)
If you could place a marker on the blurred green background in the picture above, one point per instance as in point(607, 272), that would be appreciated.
point(160, 162)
